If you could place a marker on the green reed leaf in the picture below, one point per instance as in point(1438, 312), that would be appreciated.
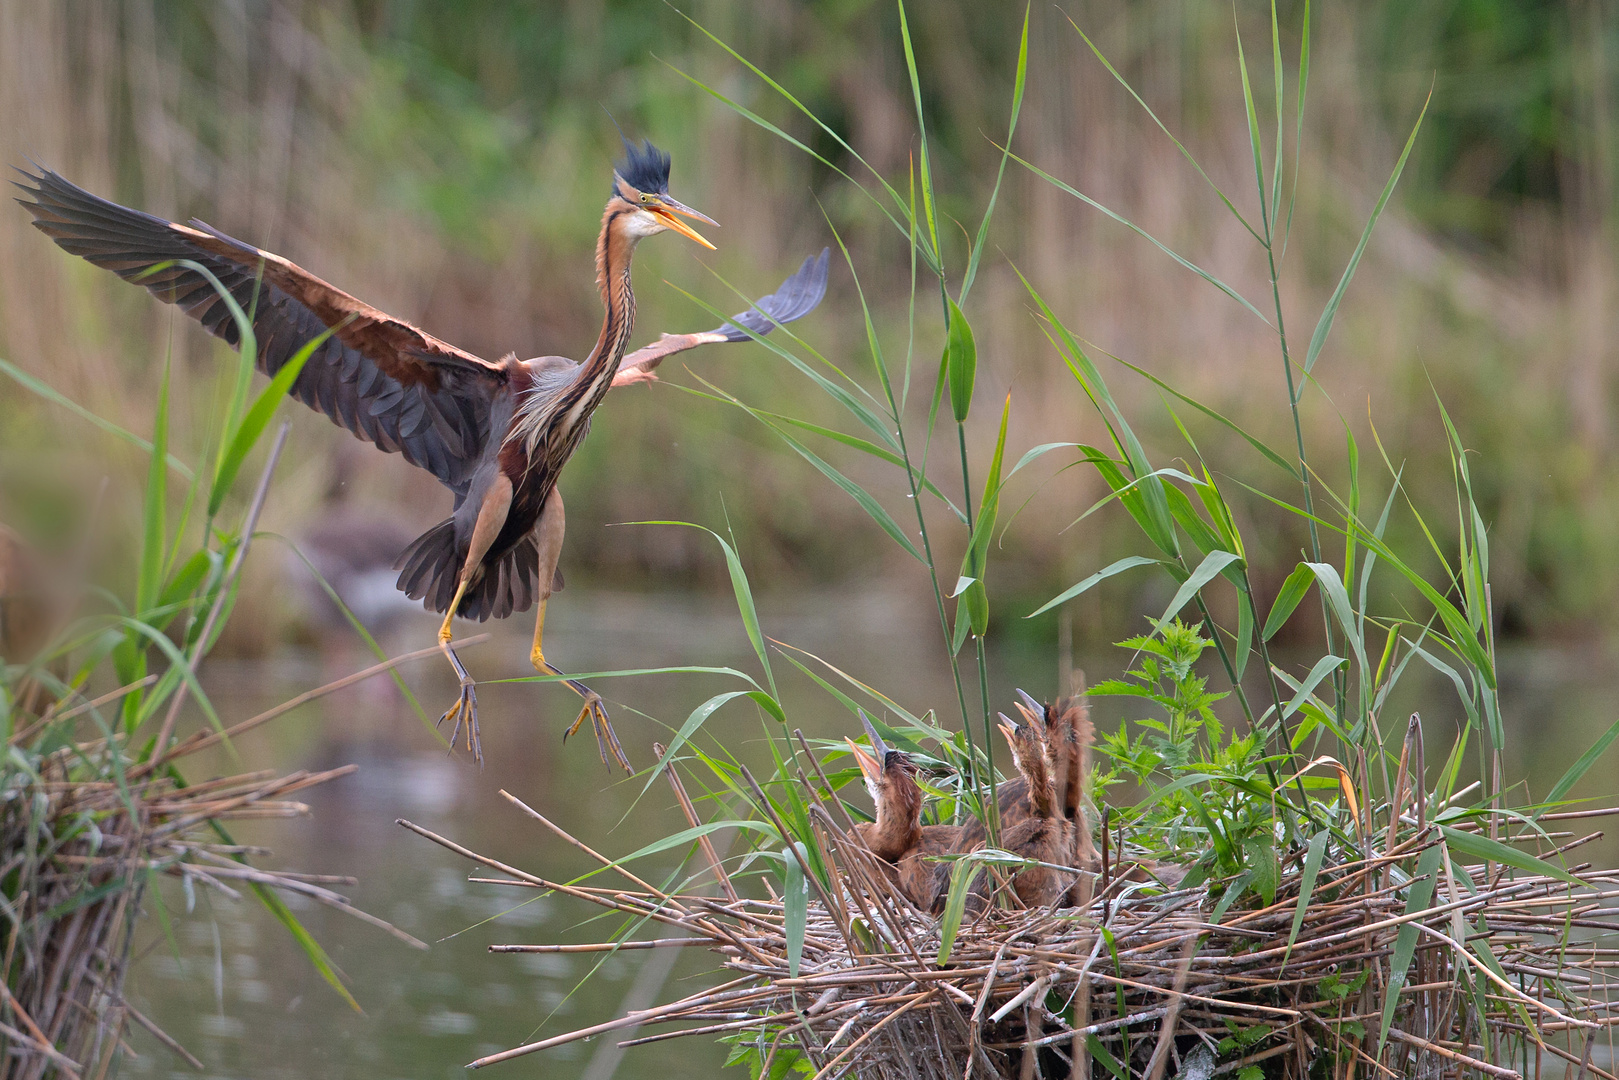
point(239, 443)
point(1130, 562)
point(49, 393)
point(1206, 571)
point(1405, 942)
point(795, 906)
point(962, 875)
point(1000, 173)
point(1323, 326)
point(1293, 591)
point(961, 362)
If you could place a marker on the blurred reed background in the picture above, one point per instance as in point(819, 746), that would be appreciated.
point(446, 162)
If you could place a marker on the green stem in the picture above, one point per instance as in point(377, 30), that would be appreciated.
point(933, 576)
point(1293, 395)
point(992, 807)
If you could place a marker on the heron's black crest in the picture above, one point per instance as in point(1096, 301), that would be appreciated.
point(645, 168)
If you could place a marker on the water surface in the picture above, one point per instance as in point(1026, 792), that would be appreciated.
point(229, 983)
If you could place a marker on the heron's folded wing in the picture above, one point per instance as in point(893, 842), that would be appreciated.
point(380, 377)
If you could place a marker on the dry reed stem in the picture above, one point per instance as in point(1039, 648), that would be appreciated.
point(1162, 947)
point(82, 851)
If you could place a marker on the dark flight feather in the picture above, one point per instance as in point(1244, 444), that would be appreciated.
point(383, 379)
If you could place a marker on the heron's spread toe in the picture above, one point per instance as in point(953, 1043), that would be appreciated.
point(465, 712)
point(607, 744)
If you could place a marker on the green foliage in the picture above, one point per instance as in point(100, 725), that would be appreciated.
point(1206, 803)
point(754, 1050)
point(185, 584)
point(1165, 675)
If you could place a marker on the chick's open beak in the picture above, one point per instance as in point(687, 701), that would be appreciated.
point(666, 208)
point(869, 766)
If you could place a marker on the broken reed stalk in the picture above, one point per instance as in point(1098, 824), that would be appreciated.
point(82, 836)
point(1145, 983)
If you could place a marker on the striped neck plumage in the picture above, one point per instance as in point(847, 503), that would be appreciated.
point(565, 416)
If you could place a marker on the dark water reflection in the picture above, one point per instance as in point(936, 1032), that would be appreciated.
point(230, 984)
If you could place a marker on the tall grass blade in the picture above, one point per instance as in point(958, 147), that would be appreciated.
point(154, 524)
point(1185, 153)
point(1206, 572)
point(922, 133)
point(56, 397)
point(1576, 771)
point(1293, 591)
point(1155, 519)
point(1332, 587)
point(1313, 856)
point(1145, 235)
point(795, 907)
point(238, 443)
point(1482, 847)
point(692, 835)
point(859, 494)
point(1000, 173)
point(1129, 562)
point(854, 442)
point(818, 122)
point(1405, 942)
point(1298, 135)
point(1270, 455)
point(1254, 140)
point(698, 717)
point(319, 959)
point(1281, 117)
point(1323, 667)
point(962, 874)
point(1324, 325)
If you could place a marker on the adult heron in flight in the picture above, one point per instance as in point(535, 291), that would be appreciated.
point(496, 434)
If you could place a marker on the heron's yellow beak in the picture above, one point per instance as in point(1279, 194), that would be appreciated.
point(666, 208)
point(870, 768)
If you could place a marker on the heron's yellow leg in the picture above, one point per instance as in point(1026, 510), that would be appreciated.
point(444, 631)
point(536, 655)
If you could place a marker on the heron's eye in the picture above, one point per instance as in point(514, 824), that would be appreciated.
point(646, 197)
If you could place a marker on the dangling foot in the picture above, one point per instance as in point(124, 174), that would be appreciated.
point(465, 710)
point(595, 710)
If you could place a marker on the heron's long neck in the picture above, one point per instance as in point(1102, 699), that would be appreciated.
point(568, 415)
point(614, 251)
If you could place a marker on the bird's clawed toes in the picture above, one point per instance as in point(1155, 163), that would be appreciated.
point(465, 711)
point(606, 739)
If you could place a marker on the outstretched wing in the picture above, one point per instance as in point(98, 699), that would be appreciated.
point(798, 296)
point(379, 377)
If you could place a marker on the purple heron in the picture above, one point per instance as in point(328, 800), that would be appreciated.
point(496, 434)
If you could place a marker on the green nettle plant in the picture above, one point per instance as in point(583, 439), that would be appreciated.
point(1208, 808)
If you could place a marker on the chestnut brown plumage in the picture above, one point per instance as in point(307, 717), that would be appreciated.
point(1044, 834)
point(898, 835)
point(495, 433)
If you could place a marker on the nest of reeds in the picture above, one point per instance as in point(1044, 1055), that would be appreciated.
point(79, 855)
point(1407, 959)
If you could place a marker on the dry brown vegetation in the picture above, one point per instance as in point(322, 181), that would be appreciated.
point(297, 127)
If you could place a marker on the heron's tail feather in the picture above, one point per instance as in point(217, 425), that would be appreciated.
point(431, 566)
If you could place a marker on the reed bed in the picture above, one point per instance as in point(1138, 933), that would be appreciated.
point(1365, 964)
point(83, 855)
